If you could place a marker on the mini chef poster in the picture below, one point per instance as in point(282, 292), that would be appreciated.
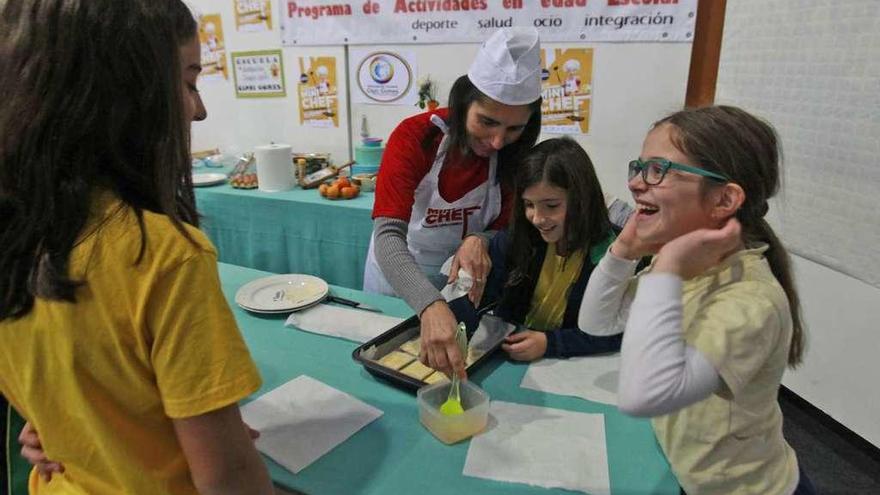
point(253, 15)
point(567, 89)
point(213, 48)
point(318, 96)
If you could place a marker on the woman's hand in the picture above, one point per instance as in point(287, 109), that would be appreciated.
point(439, 350)
point(473, 256)
point(693, 253)
point(628, 246)
point(528, 345)
point(32, 451)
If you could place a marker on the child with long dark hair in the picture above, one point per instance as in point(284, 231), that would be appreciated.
point(712, 324)
point(540, 267)
point(116, 341)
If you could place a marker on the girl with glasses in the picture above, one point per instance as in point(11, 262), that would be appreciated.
point(712, 323)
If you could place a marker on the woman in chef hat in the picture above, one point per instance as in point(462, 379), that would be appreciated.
point(446, 176)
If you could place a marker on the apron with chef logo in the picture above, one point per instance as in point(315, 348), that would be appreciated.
point(436, 226)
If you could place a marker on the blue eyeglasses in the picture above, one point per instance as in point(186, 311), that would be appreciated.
point(653, 170)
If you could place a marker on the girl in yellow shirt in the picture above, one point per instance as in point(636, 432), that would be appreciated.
point(130, 378)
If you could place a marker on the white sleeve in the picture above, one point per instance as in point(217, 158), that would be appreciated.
point(603, 311)
point(659, 372)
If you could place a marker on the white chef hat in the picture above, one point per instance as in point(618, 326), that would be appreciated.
point(507, 67)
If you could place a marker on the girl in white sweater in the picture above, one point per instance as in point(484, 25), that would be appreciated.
point(712, 323)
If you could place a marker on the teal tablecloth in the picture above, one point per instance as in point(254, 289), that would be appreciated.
point(395, 454)
point(294, 231)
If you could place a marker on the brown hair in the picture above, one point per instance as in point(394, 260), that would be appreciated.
point(100, 84)
point(730, 141)
point(563, 163)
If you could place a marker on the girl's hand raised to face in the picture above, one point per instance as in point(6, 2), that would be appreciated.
point(698, 250)
point(628, 246)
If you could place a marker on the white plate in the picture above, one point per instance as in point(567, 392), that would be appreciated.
point(279, 293)
point(280, 311)
point(208, 179)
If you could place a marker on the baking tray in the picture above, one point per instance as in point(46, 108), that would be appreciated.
point(486, 338)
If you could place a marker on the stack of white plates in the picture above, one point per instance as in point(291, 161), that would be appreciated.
point(208, 179)
point(281, 293)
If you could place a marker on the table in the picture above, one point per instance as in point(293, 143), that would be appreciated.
point(294, 231)
point(395, 454)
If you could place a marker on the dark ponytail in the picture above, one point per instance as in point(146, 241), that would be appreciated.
point(91, 93)
point(780, 263)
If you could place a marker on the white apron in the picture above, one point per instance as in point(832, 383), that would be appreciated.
point(436, 227)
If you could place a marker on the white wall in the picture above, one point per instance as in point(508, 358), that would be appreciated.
point(811, 69)
point(842, 365)
point(633, 85)
point(241, 124)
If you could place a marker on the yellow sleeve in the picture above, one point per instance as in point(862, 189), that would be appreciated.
point(737, 328)
point(198, 354)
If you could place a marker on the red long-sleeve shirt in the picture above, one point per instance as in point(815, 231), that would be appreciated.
point(405, 163)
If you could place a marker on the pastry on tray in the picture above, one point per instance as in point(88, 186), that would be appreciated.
point(412, 346)
point(435, 377)
point(396, 360)
point(417, 370)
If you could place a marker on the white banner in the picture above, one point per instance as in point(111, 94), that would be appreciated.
point(336, 22)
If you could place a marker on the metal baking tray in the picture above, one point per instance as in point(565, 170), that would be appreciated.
point(485, 339)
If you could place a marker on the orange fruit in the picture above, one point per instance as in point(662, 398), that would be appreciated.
point(322, 189)
point(332, 192)
point(343, 182)
point(349, 192)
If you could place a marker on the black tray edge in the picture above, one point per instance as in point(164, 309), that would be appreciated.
point(395, 377)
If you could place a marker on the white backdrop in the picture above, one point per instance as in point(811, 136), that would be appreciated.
point(312, 22)
point(813, 70)
point(633, 85)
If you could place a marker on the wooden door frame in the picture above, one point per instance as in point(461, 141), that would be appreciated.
point(705, 53)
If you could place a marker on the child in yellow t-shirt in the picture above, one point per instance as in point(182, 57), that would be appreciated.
point(116, 342)
point(540, 267)
point(712, 324)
